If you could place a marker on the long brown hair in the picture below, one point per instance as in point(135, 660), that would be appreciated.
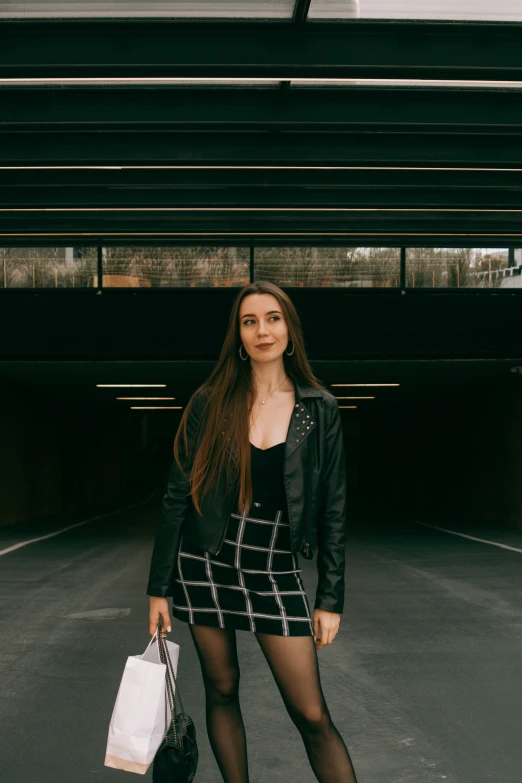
point(230, 394)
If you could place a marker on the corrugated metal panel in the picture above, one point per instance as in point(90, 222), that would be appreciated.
point(487, 10)
point(262, 9)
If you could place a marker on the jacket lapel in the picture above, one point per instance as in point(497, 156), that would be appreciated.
point(302, 421)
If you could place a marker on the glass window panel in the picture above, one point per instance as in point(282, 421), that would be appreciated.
point(462, 268)
point(352, 267)
point(190, 9)
point(502, 10)
point(47, 267)
point(167, 267)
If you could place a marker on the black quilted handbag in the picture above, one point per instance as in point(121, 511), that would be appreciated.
point(176, 760)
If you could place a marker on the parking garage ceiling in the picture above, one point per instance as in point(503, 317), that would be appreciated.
point(285, 122)
point(75, 383)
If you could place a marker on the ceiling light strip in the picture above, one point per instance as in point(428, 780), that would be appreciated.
point(260, 235)
point(365, 384)
point(210, 80)
point(408, 210)
point(130, 385)
point(155, 407)
point(268, 167)
point(146, 398)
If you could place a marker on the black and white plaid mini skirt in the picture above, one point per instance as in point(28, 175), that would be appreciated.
point(254, 584)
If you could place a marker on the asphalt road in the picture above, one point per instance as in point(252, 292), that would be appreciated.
point(424, 679)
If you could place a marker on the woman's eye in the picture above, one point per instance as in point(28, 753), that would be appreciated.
point(251, 319)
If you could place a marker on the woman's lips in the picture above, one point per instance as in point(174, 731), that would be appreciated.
point(264, 347)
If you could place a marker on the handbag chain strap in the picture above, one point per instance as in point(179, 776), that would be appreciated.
point(171, 685)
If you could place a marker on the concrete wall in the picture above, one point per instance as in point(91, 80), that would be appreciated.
point(55, 459)
point(459, 455)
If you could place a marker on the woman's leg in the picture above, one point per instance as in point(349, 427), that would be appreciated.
point(217, 652)
point(293, 662)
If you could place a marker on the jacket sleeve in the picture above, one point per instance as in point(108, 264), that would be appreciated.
point(176, 504)
point(331, 527)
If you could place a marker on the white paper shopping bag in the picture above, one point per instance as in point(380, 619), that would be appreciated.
point(137, 724)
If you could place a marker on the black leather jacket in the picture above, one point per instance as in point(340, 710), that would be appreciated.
point(315, 482)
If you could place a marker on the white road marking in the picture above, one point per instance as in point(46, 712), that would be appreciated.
point(99, 614)
point(14, 547)
point(464, 535)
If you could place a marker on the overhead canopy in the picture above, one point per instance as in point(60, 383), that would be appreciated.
point(279, 129)
point(502, 10)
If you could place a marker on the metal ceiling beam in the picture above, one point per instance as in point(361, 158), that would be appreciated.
point(276, 221)
point(425, 324)
point(103, 236)
point(299, 17)
point(16, 197)
point(280, 50)
point(150, 109)
point(193, 178)
point(301, 9)
point(330, 149)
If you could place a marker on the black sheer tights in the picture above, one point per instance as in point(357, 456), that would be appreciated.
point(293, 663)
point(217, 652)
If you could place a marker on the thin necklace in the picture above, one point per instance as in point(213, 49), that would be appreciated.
point(263, 401)
point(273, 390)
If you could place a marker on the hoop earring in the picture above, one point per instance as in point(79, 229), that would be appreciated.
point(241, 355)
point(292, 351)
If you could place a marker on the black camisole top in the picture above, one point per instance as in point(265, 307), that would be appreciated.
point(267, 476)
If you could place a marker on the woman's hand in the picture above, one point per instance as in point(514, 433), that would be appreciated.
point(159, 607)
point(326, 625)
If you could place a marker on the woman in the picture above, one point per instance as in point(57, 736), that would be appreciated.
point(260, 475)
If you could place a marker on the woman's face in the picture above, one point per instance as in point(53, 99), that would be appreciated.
point(261, 320)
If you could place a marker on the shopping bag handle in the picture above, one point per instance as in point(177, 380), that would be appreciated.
point(154, 635)
point(171, 685)
point(153, 638)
